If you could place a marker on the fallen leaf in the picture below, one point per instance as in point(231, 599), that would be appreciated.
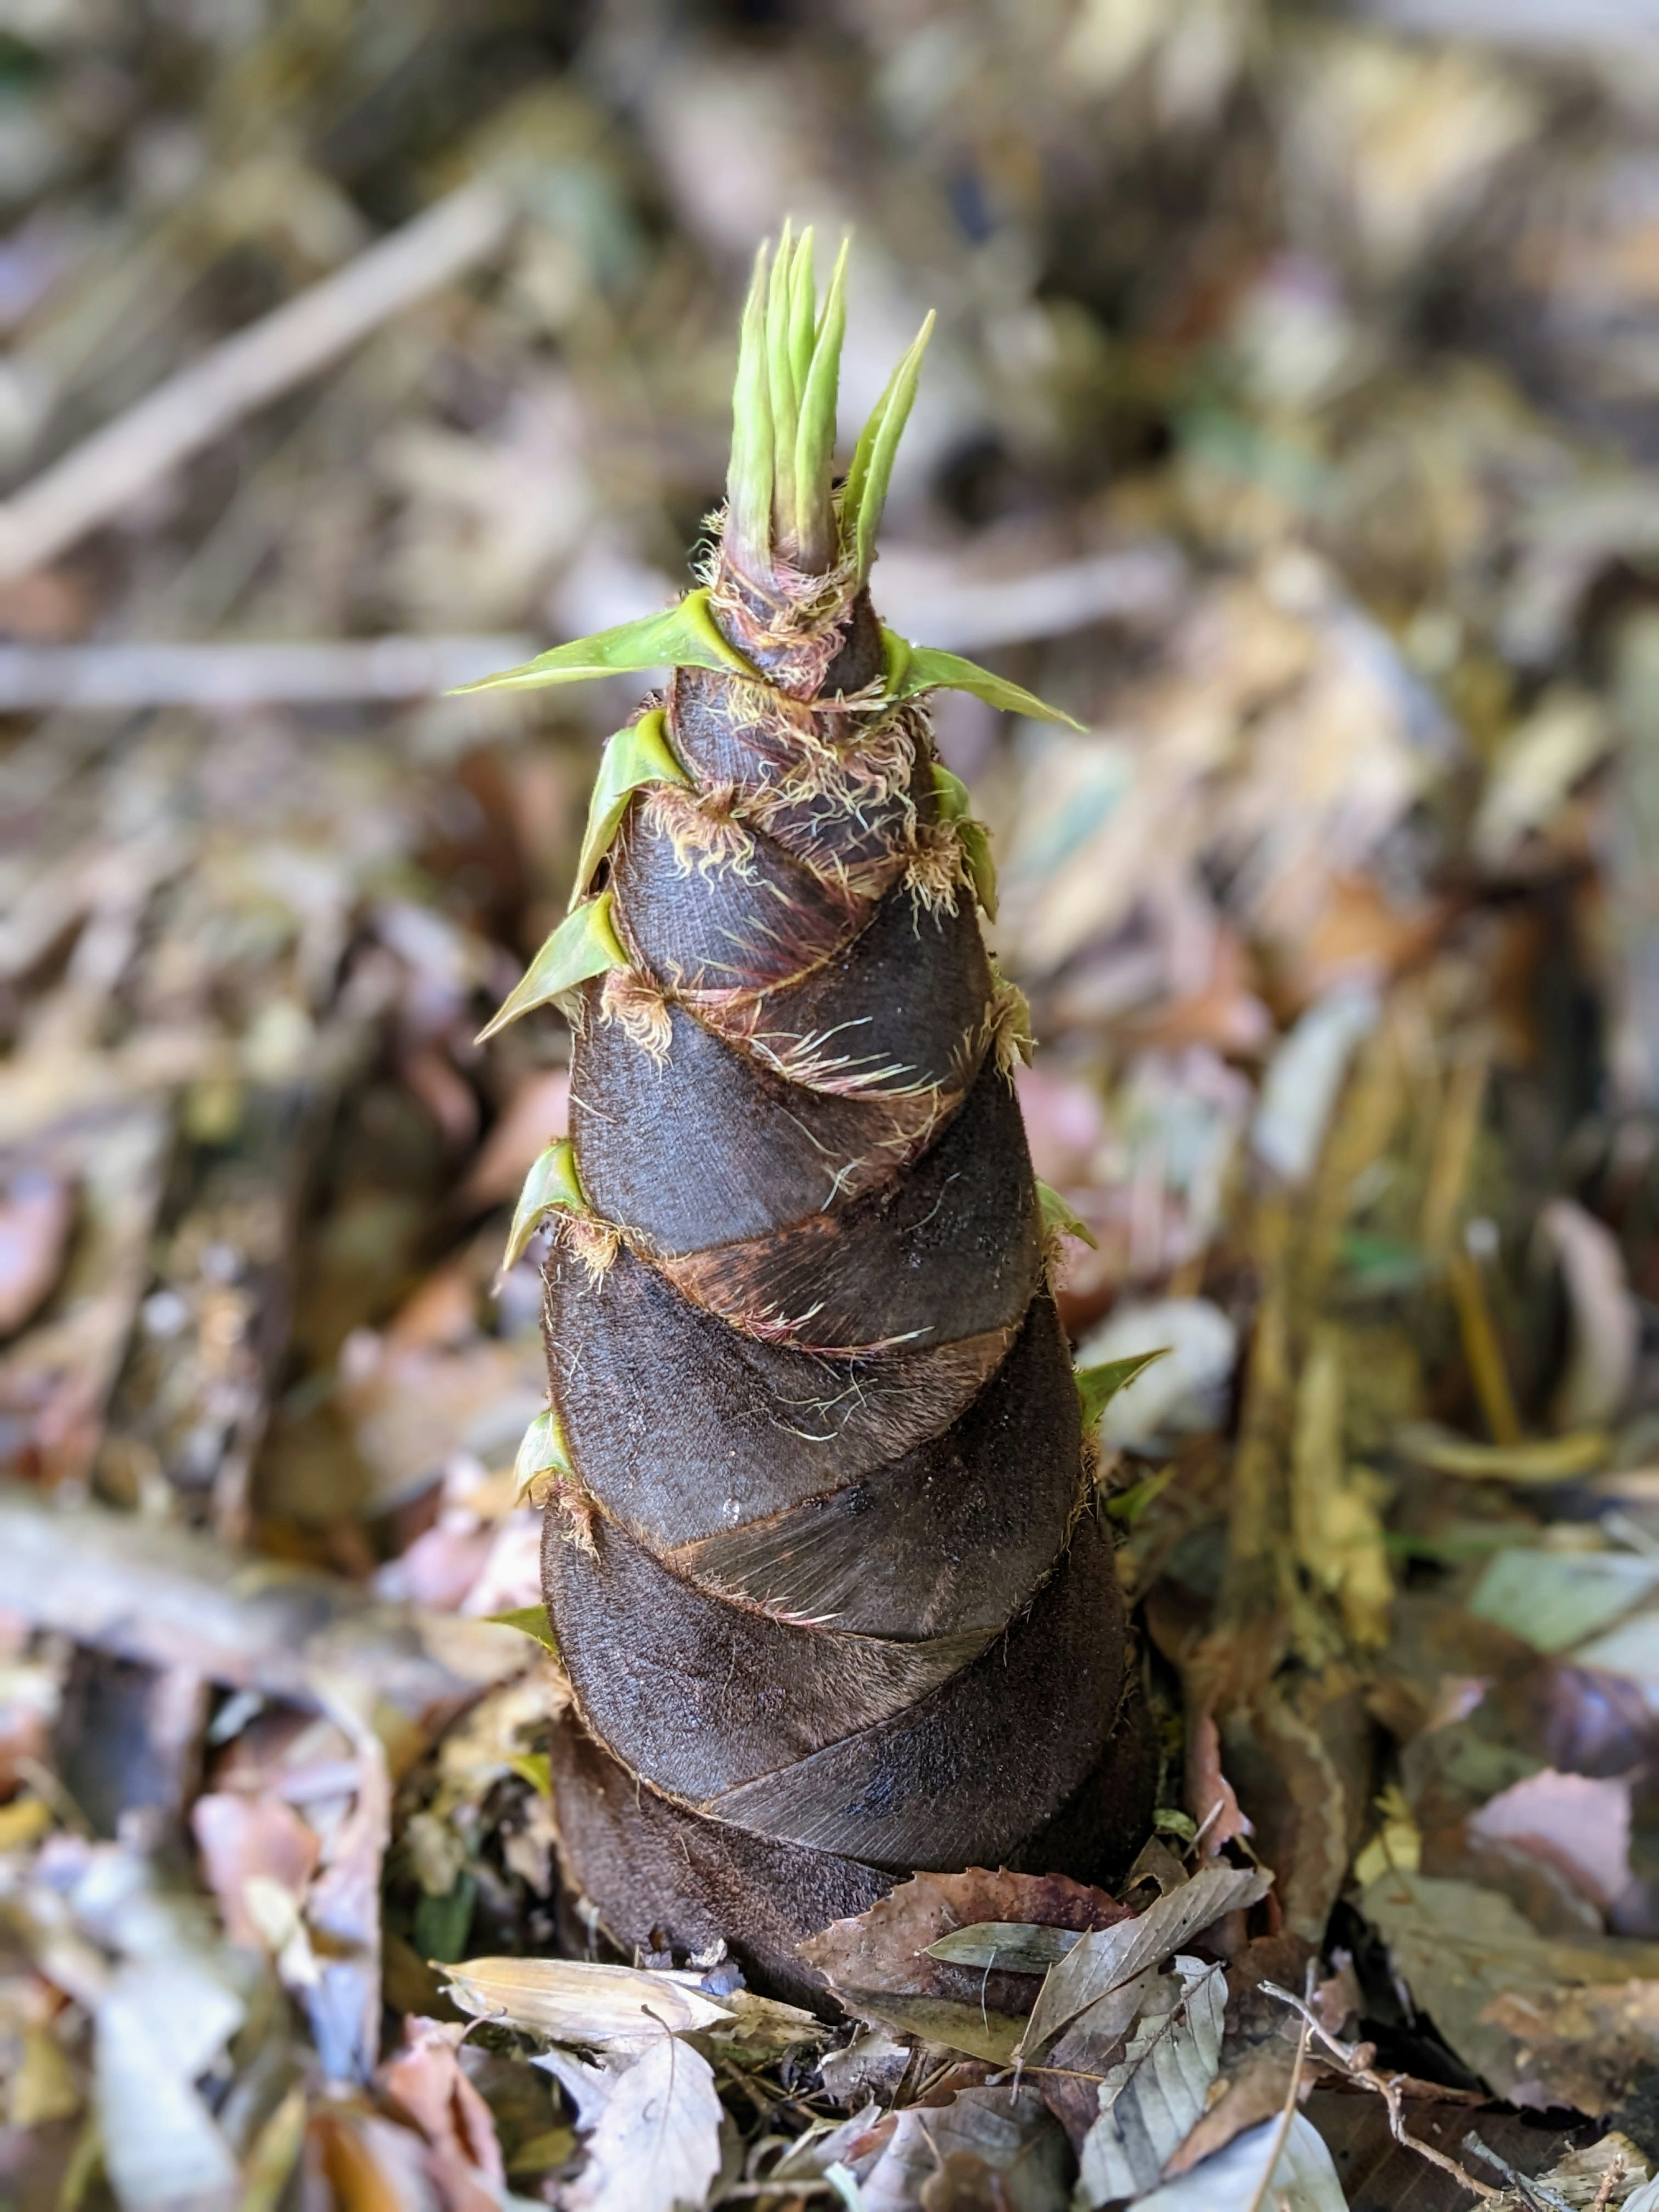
point(575, 2001)
point(1554, 1599)
point(240, 1838)
point(1522, 2010)
point(1279, 2169)
point(537, 1113)
point(1304, 1076)
point(1008, 2131)
point(1104, 1961)
point(881, 1967)
point(650, 2125)
point(159, 2026)
point(424, 2082)
point(36, 1210)
point(1152, 2098)
point(1577, 1822)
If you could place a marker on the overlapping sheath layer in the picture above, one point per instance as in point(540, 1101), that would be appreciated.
point(824, 1574)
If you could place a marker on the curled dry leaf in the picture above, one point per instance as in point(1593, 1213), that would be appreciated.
point(575, 2001)
point(425, 2083)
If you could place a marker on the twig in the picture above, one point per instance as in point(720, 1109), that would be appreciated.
point(936, 601)
point(1537, 2194)
point(108, 470)
point(1356, 2060)
point(124, 678)
point(1276, 2148)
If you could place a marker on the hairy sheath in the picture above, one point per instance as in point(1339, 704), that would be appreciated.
point(821, 1555)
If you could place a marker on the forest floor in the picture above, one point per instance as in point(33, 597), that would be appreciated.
point(1289, 421)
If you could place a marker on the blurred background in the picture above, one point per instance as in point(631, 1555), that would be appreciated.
point(1291, 420)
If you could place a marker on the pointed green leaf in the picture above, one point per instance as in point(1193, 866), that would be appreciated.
point(866, 492)
point(781, 381)
point(638, 755)
point(1060, 1219)
point(1128, 1506)
point(1097, 1387)
point(914, 669)
point(954, 802)
point(815, 437)
point(682, 636)
point(949, 792)
point(529, 1620)
point(585, 944)
point(544, 1450)
point(749, 479)
point(803, 313)
point(552, 1185)
point(982, 868)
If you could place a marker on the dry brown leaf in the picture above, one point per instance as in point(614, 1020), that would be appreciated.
point(878, 1968)
point(240, 1838)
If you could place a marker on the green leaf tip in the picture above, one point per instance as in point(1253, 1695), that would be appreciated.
point(639, 755)
point(551, 1186)
point(913, 669)
point(585, 944)
point(955, 805)
point(682, 636)
point(529, 1620)
point(1097, 1387)
point(1062, 1220)
point(544, 1450)
point(864, 493)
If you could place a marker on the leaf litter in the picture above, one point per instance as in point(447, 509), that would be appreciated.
point(1288, 421)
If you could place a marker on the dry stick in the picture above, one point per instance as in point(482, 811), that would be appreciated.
point(110, 468)
point(1356, 2061)
point(1276, 2148)
point(227, 675)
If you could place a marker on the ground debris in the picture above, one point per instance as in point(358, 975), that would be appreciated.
point(1289, 421)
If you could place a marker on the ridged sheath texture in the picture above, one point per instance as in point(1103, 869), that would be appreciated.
point(821, 1560)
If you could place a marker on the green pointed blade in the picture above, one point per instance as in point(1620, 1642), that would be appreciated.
point(815, 437)
point(749, 482)
point(781, 383)
point(1097, 1387)
point(982, 868)
point(1059, 1220)
point(585, 944)
point(954, 803)
point(803, 313)
point(638, 755)
point(683, 636)
point(544, 1450)
point(867, 480)
point(551, 1185)
point(950, 791)
point(914, 669)
point(529, 1620)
